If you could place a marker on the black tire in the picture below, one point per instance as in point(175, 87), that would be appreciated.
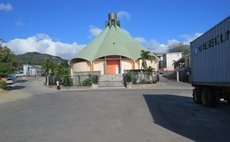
point(216, 97)
point(209, 97)
point(197, 95)
point(228, 100)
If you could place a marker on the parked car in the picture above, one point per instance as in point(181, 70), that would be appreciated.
point(9, 81)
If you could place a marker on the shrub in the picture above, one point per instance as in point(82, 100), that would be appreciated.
point(67, 81)
point(130, 77)
point(87, 82)
point(94, 79)
point(3, 85)
point(149, 69)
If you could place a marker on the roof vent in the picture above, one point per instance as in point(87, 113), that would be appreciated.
point(112, 20)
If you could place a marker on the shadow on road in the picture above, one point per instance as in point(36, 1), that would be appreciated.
point(21, 80)
point(16, 87)
point(180, 115)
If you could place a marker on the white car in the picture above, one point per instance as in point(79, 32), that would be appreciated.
point(9, 81)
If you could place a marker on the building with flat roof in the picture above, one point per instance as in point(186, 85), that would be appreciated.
point(112, 52)
point(169, 59)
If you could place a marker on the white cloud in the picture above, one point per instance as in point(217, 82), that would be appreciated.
point(19, 23)
point(155, 46)
point(190, 37)
point(124, 14)
point(94, 31)
point(6, 7)
point(44, 44)
point(140, 39)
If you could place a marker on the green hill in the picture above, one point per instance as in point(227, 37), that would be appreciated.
point(36, 58)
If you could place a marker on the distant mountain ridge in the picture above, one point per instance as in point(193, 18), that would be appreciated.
point(36, 58)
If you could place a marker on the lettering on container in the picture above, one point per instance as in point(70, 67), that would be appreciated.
point(215, 41)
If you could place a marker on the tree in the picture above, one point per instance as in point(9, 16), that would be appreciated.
point(61, 69)
point(175, 64)
point(145, 55)
point(6, 55)
point(48, 67)
point(180, 47)
point(8, 63)
point(58, 70)
point(6, 69)
point(150, 69)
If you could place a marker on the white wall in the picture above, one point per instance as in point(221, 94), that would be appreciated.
point(126, 65)
point(26, 69)
point(152, 64)
point(99, 66)
point(170, 58)
point(81, 66)
point(71, 71)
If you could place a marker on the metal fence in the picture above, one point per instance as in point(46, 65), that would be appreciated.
point(83, 78)
point(140, 77)
point(65, 80)
point(86, 78)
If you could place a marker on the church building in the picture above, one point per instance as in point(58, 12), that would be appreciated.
point(112, 52)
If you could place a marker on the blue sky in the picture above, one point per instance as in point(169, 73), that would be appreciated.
point(63, 27)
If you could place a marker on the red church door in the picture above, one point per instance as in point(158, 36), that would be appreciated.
point(113, 66)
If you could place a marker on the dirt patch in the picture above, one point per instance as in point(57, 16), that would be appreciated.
point(3, 91)
point(10, 96)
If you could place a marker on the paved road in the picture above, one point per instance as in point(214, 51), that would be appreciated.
point(120, 115)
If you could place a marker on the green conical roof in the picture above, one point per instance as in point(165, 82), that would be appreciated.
point(111, 41)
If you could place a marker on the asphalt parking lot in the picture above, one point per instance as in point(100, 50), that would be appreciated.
point(114, 115)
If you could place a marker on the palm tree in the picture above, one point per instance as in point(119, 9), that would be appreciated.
point(61, 70)
point(176, 64)
point(145, 55)
point(48, 67)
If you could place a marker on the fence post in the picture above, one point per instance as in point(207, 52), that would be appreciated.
point(177, 76)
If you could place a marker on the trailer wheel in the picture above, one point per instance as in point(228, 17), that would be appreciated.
point(226, 95)
point(216, 97)
point(197, 95)
point(228, 101)
point(209, 97)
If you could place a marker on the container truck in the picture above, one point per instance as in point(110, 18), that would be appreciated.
point(210, 65)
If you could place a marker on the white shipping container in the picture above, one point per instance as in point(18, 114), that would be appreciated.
point(210, 55)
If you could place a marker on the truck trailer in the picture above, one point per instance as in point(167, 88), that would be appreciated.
point(210, 65)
